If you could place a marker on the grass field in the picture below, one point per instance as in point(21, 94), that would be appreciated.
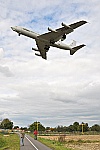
point(9, 142)
point(54, 145)
point(72, 142)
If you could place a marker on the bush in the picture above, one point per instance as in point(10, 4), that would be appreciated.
point(61, 138)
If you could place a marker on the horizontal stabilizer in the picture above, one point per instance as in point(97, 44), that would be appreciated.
point(37, 54)
point(74, 49)
point(35, 49)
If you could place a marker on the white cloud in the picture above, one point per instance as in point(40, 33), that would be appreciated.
point(1, 53)
point(62, 89)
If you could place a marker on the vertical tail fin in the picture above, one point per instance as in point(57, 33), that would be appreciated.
point(73, 44)
point(74, 49)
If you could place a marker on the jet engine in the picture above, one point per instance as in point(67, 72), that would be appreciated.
point(66, 26)
point(49, 29)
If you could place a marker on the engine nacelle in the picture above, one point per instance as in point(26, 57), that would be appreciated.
point(49, 29)
point(66, 26)
point(35, 49)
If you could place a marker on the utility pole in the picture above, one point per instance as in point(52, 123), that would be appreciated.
point(36, 130)
point(82, 127)
point(38, 125)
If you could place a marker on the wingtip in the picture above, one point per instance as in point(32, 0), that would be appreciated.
point(84, 21)
point(84, 45)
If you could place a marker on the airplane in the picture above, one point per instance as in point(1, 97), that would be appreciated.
point(52, 38)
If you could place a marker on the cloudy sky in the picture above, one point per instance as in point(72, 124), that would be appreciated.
point(62, 89)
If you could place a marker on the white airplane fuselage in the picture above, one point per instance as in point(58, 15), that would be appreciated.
point(34, 35)
point(25, 32)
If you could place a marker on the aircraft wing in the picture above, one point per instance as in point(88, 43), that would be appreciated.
point(41, 47)
point(56, 35)
point(77, 24)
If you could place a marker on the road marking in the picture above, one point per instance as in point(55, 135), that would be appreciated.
point(32, 143)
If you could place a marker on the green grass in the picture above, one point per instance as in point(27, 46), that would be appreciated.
point(10, 142)
point(54, 145)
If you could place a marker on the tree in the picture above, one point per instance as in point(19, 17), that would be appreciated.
point(16, 127)
point(32, 127)
point(6, 124)
point(95, 127)
point(47, 128)
point(86, 127)
point(0, 126)
point(35, 126)
point(24, 128)
point(59, 128)
point(76, 126)
point(41, 127)
point(70, 128)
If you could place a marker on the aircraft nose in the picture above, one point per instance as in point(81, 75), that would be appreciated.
point(13, 28)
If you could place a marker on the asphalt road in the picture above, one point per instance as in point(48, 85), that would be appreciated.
point(31, 144)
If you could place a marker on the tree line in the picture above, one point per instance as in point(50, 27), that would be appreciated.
point(75, 127)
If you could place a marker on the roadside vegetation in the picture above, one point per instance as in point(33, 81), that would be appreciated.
point(54, 145)
point(9, 141)
point(71, 142)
